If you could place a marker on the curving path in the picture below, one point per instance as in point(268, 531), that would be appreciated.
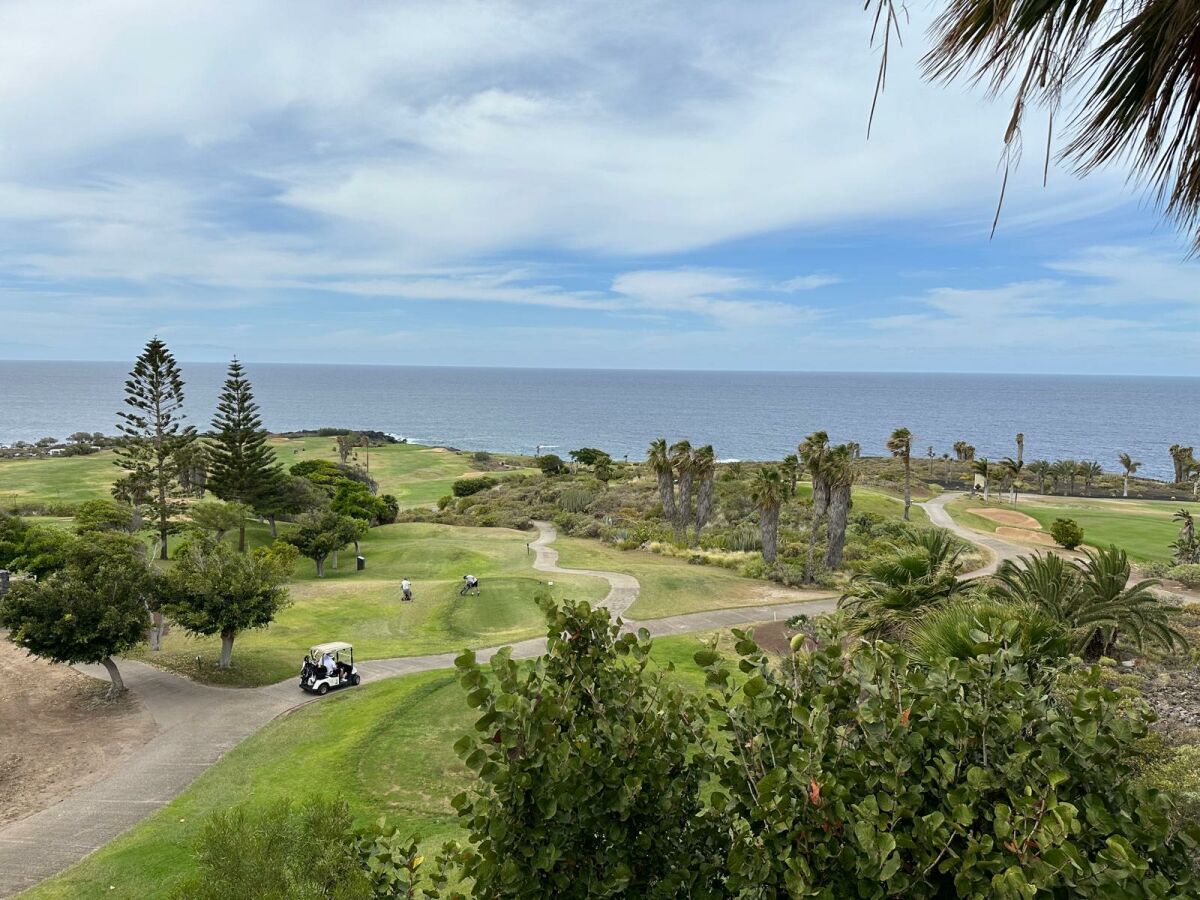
point(198, 724)
point(999, 548)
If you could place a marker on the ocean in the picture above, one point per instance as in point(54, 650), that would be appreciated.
point(745, 415)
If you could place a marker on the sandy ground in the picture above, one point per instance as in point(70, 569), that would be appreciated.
point(1024, 534)
point(57, 732)
point(1007, 517)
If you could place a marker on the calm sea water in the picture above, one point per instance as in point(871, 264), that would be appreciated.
point(745, 415)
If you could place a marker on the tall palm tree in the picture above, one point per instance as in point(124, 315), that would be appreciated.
point(945, 465)
point(931, 456)
point(1070, 468)
point(1186, 547)
point(1039, 469)
point(1179, 457)
point(659, 459)
point(1089, 471)
point(969, 453)
point(791, 469)
point(982, 468)
point(1020, 446)
point(900, 444)
point(704, 468)
point(1012, 472)
point(681, 462)
point(839, 473)
point(812, 451)
point(767, 491)
point(1130, 465)
point(855, 449)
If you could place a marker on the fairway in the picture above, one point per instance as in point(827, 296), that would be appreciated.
point(1142, 528)
point(415, 475)
point(365, 609)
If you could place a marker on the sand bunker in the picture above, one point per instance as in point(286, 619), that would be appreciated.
point(1007, 517)
point(1024, 534)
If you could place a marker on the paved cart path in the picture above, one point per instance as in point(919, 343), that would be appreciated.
point(198, 724)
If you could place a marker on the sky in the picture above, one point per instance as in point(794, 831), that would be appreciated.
point(683, 185)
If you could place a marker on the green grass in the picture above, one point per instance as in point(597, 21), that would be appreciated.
point(385, 747)
point(1142, 528)
point(414, 474)
point(672, 586)
point(365, 608)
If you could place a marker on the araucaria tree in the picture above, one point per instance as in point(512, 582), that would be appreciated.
point(215, 590)
point(153, 426)
point(242, 466)
point(95, 608)
point(767, 491)
point(900, 445)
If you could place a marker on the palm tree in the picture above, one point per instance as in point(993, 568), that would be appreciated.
point(1012, 473)
point(791, 469)
point(704, 468)
point(1129, 68)
point(812, 451)
point(855, 449)
point(1020, 446)
point(982, 468)
point(1089, 471)
point(767, 491)
point(1130, 465)
point(681, 462)
point(1179, 458)
point(946, 465)
point(659, 459)
point(969, 453)
point(931, 456)
point(897, 589)
point(1070, 469)
point(839, 473)
point(1039, 469)
point(900, 443)
point(1093, 599)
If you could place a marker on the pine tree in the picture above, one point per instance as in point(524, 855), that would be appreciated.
point(155, 432)
point(242, 467)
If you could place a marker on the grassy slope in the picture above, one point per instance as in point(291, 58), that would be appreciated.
point(364, 607)
point(416, 475)
point(672, 586)
point(385, 747)
point(1143, 528)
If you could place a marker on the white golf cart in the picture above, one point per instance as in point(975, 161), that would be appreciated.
point(316, 678)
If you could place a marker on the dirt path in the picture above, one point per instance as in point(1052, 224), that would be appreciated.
point(198, 724)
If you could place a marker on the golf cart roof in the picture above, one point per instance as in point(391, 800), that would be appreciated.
point(331, 647)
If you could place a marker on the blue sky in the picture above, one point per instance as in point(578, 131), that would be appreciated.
point(679, 185)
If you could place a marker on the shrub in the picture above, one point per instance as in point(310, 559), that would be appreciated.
point(444, 501)
point(465, 487)
point(1066, 533)
point(278, 853)
point(1187, 574)
point(862, 773)
point(481, 456)
point(971, 626)
point(551, 464)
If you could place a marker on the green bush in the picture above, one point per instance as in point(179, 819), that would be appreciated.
point(1187, 574)
point(576, 500)
point(444, 501)
point(970, 626)
point(1067, 533)
point(551, 464)
point(859, 772)
point(465, 487)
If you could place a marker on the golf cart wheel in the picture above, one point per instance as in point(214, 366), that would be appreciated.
point(323, 690)
point(354, 680)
